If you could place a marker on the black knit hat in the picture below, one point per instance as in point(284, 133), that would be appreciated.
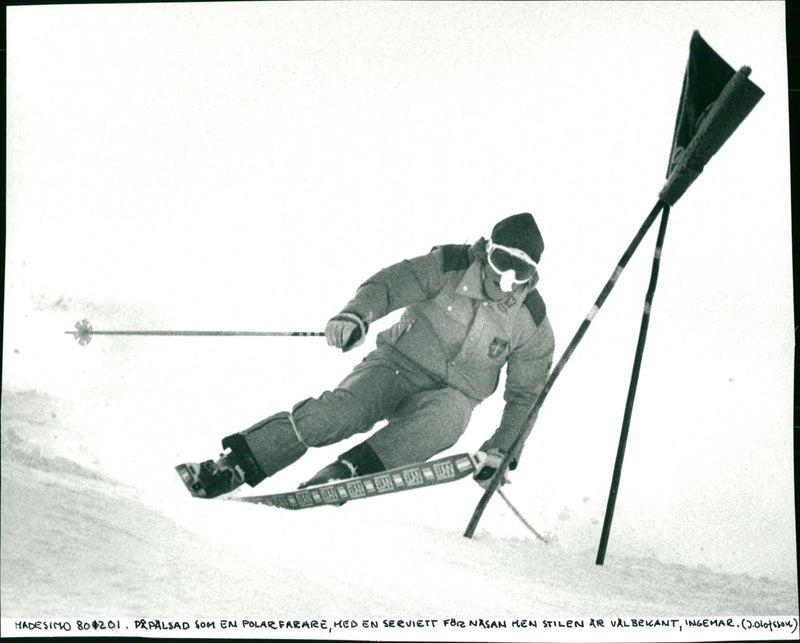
point(520, 231)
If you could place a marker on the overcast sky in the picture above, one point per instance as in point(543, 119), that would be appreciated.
point(244, 166)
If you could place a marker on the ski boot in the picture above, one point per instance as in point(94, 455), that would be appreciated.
point(339, 470)
point(211, 478)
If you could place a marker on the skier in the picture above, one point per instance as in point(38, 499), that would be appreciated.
point(469, 310)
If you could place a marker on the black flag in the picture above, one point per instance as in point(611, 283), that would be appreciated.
point(714, 101)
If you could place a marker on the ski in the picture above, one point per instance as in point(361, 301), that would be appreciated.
point(412, 476)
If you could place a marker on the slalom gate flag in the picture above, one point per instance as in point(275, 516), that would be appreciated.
point(714, 101)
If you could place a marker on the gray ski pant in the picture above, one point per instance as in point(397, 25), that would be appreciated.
point(424, 417)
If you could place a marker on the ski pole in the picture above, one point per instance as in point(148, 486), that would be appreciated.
point(494, 483)
point(521, 517)
point(83, 333)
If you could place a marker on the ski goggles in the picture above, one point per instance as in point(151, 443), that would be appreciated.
point(503, 258)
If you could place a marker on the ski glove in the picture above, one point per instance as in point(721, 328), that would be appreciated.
point(346, 331)
point(487, 463)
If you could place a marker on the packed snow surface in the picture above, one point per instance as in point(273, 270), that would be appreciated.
point(81, 541)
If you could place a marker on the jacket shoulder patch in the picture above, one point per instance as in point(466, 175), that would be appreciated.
point(536, 307)
point(456, 257)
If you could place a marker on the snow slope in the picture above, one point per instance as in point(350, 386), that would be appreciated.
point(81, 542)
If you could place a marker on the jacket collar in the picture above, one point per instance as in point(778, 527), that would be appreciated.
point(471, 284)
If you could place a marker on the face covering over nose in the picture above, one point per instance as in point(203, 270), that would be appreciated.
point(507, 281)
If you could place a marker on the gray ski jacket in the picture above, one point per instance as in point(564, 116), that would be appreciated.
point(452, 331)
